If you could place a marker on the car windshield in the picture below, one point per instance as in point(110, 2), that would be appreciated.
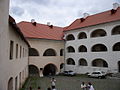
point(96, 73)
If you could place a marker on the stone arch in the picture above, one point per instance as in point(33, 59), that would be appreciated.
point(50, 52)
point(83, 62)
point(70, 61)
point(82, 35)
point(33, 52)
point(70, 49)
point(10, 84)
point(70, 37)
point(116, 46)
point(116, 30)
point(99, 63)
point(49, 69)
point(82, 48)
point(98, 48)
point(98, 33)
point(33, 70)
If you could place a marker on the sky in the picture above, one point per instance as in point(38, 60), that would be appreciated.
point(58, 12)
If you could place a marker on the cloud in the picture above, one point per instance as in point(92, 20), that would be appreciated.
point(17, 11)
point(58, 12)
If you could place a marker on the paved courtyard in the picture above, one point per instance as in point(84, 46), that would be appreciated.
point(72, 83)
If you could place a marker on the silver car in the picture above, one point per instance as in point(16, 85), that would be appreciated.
point(97, 74)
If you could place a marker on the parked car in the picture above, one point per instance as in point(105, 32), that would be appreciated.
point(69, 73)
point(97, 74)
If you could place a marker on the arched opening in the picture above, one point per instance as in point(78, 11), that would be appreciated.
point(118, 66)
point(116, 47)
point(70, 61)
point(33, 52)
point(49, 69)
point(116, 30)
point(33, 70)
point(98, 33)
point(83, 62)
point(10, 84)
point(82, 35)
point(99, 63)
point(61, 65)
point(49, 52)
point(82, 48)
point(61, 52)
point(70, 37)
point(70, 49)
point(99, 48)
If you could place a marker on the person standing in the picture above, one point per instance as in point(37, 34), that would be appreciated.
point(90, 86)
point(83, 86)
point(53, 82)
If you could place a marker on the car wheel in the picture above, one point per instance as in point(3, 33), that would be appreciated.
point(99, 77)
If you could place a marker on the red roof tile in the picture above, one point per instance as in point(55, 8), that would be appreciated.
point(41, 31)
point(95, 19)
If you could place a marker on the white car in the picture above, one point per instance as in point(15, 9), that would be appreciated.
point(97, 74)
point(69, 73)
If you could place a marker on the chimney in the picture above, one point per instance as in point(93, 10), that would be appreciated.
point(85, 15)
point(82, 19)
point(33, 22)
point(115, 7)
point(48, 23)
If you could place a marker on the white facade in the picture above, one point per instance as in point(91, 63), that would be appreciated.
point(14, 71)
point(110, 56)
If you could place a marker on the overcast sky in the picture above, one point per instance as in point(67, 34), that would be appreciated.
point(58, 12)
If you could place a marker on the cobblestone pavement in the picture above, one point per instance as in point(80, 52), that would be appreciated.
point(73, 83)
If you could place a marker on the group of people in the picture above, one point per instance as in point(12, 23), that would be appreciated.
point(84, 86)
point(89, 86)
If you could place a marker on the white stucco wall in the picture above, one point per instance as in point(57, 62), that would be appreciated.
point(41, 45)
point(10, 68)
point(4, 10)
point(111, 57)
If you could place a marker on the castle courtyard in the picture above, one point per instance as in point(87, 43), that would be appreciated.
point(72, 83)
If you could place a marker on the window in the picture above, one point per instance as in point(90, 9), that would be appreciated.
point(16, 83)
point(20, 51)
point(116, 47)
point(116, 30)
point(99, 63)
point(82, 35)
point(10, 84)
point(49, 52)
point(23, 52)
point(11, 49)
point(98, 33)
point(83, 62)
point(70, 37)
point(99, 48)
point(82, 48)
point(16, 50)
point(33, 52)
point(61, 52)
point(70, 49)
point(70, 61)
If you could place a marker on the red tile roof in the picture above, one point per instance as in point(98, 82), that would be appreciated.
point(95, 19)
point(56, 33)
point(41, 31)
